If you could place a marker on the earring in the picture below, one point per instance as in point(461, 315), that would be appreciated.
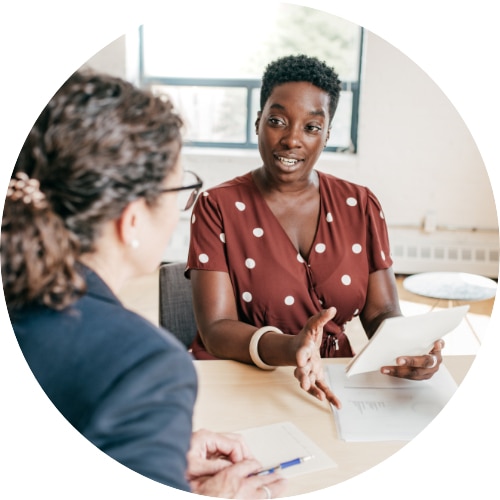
point(134, 243)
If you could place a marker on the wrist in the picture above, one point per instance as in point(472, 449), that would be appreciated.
point(254, 346)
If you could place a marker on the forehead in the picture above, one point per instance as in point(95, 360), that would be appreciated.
point(298, 96)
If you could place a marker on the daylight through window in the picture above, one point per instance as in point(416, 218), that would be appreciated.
point(210, 65)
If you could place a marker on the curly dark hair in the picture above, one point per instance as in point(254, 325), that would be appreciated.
point(99, 144)
point(301, 68)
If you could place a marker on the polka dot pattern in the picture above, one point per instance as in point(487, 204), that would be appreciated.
point(250, 263)
point(346, 280)
point(320, 248)
point(275, 282)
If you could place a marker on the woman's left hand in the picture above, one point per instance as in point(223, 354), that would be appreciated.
point(210, 452)
point(417, 367)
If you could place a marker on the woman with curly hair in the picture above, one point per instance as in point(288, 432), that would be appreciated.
point(281, 258)
point(92, 202)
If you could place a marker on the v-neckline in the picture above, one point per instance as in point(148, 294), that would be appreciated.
point(282, 229)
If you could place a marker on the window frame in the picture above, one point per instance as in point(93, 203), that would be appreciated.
point(250, 85)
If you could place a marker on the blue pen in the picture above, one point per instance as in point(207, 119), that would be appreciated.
point(283, 465)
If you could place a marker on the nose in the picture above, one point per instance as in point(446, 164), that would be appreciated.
point(292, 137)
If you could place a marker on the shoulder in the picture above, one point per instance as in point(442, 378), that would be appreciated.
point(98, 342)
point(237, 184)
point(342, 188)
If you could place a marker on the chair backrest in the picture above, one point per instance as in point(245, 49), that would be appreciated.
point(176, 302)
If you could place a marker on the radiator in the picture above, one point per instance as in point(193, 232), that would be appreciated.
point(415, 251)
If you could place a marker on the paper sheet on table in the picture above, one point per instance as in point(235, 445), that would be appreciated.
point(378, 407)
point(283, 441)
point(405, 336)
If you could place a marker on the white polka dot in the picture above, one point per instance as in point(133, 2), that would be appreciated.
point(329, 217)
point(203, 258)
point(382, 254)
point(289, 300)
point(346, 279)
point(352, 202)
point(250, 263)
point(193, 219)
point(300, 258)
point(258, 232)
point(222, 237)
point(247, 296)
point(240, 206)
point(382, 216)
point(356, 248)
point(205, 193)
point(320, 247)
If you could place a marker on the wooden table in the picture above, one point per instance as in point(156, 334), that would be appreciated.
point(234, 396)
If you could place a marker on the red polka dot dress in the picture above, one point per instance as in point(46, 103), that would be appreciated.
point(234, 231)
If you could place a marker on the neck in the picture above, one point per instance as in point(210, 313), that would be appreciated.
point(109, 265)
point(269, 184)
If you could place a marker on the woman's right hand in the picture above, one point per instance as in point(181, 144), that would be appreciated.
point(234, 482)
point(309, 371)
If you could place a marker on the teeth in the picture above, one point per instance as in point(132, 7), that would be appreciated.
point(288, 162)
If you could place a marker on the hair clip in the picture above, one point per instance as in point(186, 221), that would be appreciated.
point(21, 187)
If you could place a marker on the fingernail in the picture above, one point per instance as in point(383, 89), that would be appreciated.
point(401, 361)
point(386, 371)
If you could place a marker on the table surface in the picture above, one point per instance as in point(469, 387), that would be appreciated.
point(451, 286)
point(234, 396)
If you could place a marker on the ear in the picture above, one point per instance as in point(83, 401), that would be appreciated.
point(257, 122)
point(128, 223)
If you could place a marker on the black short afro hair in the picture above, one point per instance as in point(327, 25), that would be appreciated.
point(301, 68)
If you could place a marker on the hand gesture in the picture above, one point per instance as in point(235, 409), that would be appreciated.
point(309, 371)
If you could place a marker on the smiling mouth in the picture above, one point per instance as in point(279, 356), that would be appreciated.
point(288, 162)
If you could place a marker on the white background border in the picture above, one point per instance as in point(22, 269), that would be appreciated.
point(454, 42)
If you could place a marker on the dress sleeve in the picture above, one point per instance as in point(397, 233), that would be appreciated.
point(377, 235)
point(144, 421)
point(207, 241)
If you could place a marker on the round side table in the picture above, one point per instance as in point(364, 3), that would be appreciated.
point(452, 287)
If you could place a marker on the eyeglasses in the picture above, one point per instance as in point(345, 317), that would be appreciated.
point(189, 190)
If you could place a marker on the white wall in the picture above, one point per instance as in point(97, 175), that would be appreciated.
point(415, 153)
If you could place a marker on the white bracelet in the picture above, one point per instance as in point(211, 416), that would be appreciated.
point(254, 346)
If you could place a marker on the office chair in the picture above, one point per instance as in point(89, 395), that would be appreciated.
point(176, 302)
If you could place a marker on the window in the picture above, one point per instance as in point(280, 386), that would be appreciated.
point(211, 63)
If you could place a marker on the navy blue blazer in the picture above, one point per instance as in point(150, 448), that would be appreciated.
point(126, 385)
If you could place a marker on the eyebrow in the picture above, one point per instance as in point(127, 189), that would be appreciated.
point(316, 112)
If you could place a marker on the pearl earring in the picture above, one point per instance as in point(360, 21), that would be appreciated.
point(134, 243)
